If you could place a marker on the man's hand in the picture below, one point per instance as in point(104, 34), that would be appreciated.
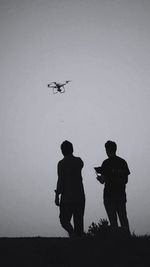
point(97, 169)
point(101, 178)
point(57, 202)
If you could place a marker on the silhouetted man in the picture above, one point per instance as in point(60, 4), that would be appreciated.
point(70, 195)
point(114, 174)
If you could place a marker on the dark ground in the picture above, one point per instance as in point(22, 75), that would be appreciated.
point(65, 252)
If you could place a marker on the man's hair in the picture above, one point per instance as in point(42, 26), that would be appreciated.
point(111, 146)
point(67, 148)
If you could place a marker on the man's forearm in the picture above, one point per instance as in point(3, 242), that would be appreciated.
point(57, 192)
point(101, 179)
point(57, 200)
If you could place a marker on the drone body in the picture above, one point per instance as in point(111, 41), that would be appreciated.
point(58, 87)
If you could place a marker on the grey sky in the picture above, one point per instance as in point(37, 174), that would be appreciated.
point(104, 48)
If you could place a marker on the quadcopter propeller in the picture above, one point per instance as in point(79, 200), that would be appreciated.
point(51, 84)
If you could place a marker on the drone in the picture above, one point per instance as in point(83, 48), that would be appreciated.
point(58, 87)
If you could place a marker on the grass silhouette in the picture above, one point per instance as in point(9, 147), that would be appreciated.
point(102, 231)
point(100, 247)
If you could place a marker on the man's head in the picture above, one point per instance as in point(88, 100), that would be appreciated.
point(67, 148)
point(111, 148)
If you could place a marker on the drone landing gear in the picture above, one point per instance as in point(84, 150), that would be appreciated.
point(55, 91)
point(62, 91)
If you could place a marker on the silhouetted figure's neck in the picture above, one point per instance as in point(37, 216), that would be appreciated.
point(69, 156)
point(112, 156)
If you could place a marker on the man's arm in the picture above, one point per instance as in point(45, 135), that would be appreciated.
point(58, 190)
point(124, 173)
point(100, 171)
point(125, 179)
point(97, 169)
point(101, 178)
point(57, 201)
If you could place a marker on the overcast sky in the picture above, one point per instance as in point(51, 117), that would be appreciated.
point(103, 46)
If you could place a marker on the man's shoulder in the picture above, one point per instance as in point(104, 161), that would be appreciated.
point(60, 161)
point(78, 158)
point(67, 159)
point(120, 159)
point(105, 161)
point(114, 159)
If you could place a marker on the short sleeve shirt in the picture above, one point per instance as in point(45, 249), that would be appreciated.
point(70, 179)
point(115, 171)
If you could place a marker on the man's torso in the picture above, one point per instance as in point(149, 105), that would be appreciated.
point(115, 170)
point(72, 186)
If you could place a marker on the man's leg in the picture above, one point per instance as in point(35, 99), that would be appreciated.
point(78, 218)
point(122, 214)
point(111, 212)
point(65, 217)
